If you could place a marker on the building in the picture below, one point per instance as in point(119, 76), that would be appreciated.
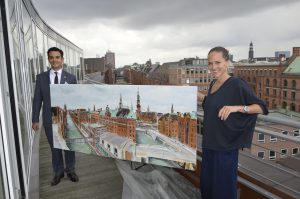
point(191, 71)
point(110, 59)
point(148, 117)
point(99, 64)
point(93, 65)
point(272, 147)
point(276, 82)
point(182, 127)
point(282, 55)
point(251, 53)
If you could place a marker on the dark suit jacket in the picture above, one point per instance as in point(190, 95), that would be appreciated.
point(42, 95)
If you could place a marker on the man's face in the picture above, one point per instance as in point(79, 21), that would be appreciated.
point(55, 60)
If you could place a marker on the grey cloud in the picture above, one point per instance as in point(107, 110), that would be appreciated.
point(138, 14)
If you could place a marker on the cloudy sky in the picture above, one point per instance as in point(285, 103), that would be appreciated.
point(158, 98)
point(169, 30)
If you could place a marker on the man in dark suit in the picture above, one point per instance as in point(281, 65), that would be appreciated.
point(42, 96)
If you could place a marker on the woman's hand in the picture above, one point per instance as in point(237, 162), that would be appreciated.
point(226, 110)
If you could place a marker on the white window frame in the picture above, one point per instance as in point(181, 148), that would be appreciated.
point(261, 141)
point(263, 154)
point(283, 155)
point(272, 157)
point(297, 151)
point(273, 138)
point(296, 132)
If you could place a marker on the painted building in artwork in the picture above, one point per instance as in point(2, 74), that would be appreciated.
point(59, 117)
point(182, 127)
point(148, 116)
point(120, 121)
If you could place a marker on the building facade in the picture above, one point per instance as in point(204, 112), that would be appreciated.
point(277, 82)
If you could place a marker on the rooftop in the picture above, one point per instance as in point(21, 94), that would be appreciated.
point(294, 67)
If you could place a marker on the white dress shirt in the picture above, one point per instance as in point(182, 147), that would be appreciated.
point(52, 75)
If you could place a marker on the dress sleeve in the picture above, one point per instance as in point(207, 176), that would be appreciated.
point(248, 96)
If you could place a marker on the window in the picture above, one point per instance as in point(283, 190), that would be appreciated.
point(267, 82)
point(285, 83)
point(261, 154)
point(292, 107)
point(272, 155)
point(295, 151)
point(296, 133)
point(283, 153)
point(274, 93)
point(284, 104)
point(261, 137)
point(284, 133)
point(273, 138)
point(294, 84)
point(274, 106)
point(102, 141)
point(274, 83)
point(293, 95)
point(284, 94)
point(267, 91)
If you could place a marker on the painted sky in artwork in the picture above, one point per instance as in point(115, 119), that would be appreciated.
point(158, 98)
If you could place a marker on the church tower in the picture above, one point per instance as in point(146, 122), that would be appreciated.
point(251, 53)
point(138, 105)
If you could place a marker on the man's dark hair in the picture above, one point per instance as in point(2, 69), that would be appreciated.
point(222, 50)
point(55, 49)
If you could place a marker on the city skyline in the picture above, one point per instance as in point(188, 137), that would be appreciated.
point(165, 31)
point(158, 98)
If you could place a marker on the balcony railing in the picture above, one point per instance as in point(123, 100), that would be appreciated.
point(264, 177)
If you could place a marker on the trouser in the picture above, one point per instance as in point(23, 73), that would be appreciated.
point(219, 174)
point(57, 157)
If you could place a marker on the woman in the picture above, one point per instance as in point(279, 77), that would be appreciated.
point(230, 113)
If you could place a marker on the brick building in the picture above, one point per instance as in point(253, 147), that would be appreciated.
point(276, 82)
point(271, 147)
point(182, 127)
point(191, 71)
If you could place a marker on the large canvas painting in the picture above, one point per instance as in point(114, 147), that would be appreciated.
point(149, 124)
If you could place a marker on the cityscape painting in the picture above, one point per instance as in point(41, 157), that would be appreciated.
point(148, 124)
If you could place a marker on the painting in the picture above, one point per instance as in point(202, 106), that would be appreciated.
point(148, 124)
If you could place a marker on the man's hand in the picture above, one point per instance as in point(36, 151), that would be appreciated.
point(226, 110)
point(35, 126)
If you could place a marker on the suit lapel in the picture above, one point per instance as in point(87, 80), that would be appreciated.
point(48, 77)
point(63, 77)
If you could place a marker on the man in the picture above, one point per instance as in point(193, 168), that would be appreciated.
point(42, 96)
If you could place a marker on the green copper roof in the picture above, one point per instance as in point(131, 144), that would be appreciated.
point(294, 67)
point(194, 115)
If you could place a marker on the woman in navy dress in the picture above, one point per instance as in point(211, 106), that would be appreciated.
point(230, 113)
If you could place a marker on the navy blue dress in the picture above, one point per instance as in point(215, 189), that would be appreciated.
point(222, 139)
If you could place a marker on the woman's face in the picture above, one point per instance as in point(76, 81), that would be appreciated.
point(217, 65)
